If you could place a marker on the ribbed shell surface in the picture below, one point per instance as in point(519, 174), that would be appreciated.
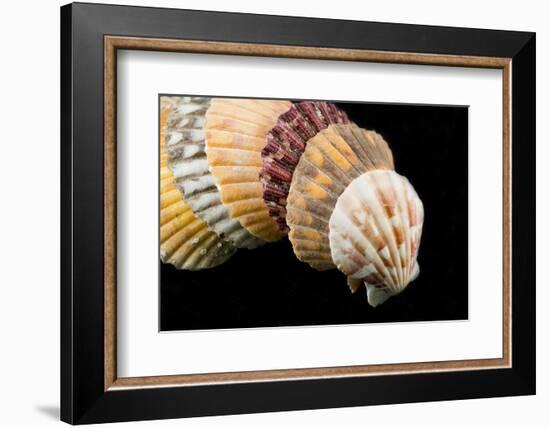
point(185, 146)
point(185, 240)
point(235, 132)
point(332, 159)
point(286, 142)
point(375, 231)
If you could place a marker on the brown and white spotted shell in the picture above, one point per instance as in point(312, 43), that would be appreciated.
point(185, 147)
point(235, 135)
point(374, 233)
point(331, 161)
point(185, 240)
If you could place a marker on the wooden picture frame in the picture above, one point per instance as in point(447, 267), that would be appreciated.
point(91, 391)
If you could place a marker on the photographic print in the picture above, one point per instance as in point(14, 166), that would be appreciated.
point(277, 213)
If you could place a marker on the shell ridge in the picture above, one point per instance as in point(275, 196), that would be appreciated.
point(264, 108)
point(260, 124)
point(179, 222)
point(371, 157)
point(297, 227)
point(416, 229)
point(253, 220)
point(309, 213)
point(323, 260)
point(396, 228)
point(177, 240)
point(331, 173)
point(241, 117)
point(374, 148)
point(329, 148)
point(252, 198)
point(195, 192)
point(322, 186)
point(379, 263)
point(401, 227)
point(169, 197)
point(286, 142)
point(229, 132)
point(309, 240)
point(214, 149)
point(330, 163)
point(362, 144)
point(405, 224)
point(170, 212)
point(374, 233)
point(349, 174)
point(386, 229)
point(183, 255)
point(179, 226)
point(384, 149)
point(197, 255)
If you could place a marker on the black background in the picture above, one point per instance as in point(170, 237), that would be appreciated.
point(269, 286)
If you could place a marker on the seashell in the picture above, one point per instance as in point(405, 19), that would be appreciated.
point(332, 159)
point(286, 142)
point(185, 147)
point(375, 232)
point(236, 132)
point(354, 284)
point(185, 240)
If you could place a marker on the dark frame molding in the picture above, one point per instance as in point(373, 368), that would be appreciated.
point(85, 393)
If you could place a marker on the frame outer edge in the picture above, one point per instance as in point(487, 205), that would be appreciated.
point(66, 304)
point(305, 31)
point(87, 211)
point(82, 400)
point(524, 215)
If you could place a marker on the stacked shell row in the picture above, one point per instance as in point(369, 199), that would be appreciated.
point(237, 173)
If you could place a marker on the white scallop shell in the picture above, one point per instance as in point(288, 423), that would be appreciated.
point(374, 233)
point(187, 160)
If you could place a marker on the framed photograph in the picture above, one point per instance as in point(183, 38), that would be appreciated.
point(265, 213)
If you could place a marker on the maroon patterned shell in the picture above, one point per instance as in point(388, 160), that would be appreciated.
point(285, 144)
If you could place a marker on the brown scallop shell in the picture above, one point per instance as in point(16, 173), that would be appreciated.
point(332, 159)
